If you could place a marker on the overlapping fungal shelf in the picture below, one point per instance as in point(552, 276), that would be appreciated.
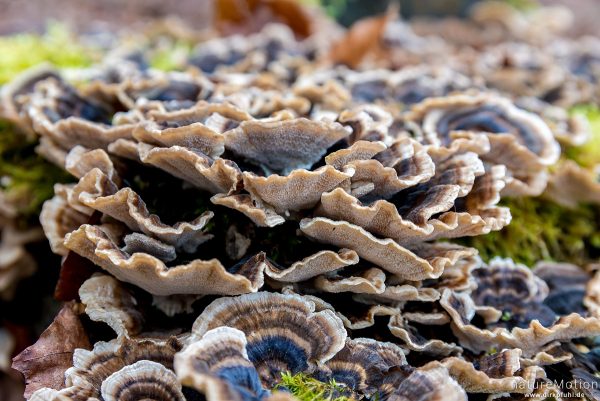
point(269, 211)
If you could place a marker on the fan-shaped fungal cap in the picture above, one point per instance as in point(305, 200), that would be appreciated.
point(285, 145)
point(368, 122)
point(174, 132)
point(129, 208)
point(312, 266)
point(413, 84)
point(380, 218)
point(58, 218)
point(300, 189)
point(485, 113)
point(143, 380)
point(568, 129)
point(455, 178)
point(360, 150)
point(262, 215)
point(61, 113)
point(385, 253)
point(80, 161)
point(428, 384)
point(322, 91)
point(530, 339)
point(406, 292)
point(201, 111)
point(172, 86)
point(363, 364)
point(402, 165)
point(91, 369)
point(360, 316)
point(215, 176)
point(106, 300)
point(571, 185)
point(264, 103)
point(520, 69)
point(217, 365)
point(140, 243)
point(151, 274)
point(74, 131)
point(514, 289)
point(495, 374)
point(413, 340)
point(13, 96)
point(284, 332)
point(367, 281)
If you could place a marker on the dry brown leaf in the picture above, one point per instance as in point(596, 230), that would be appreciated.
point(293, 14)
point(74, 270)
point(363, 37)
point(247, 16)
point(44, 363)
point(11, 388)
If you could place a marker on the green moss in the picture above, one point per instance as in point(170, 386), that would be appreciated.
point(305, 388)
point(57, 46)
point(543, 230)
point(172, 56)
point(26, 178)
point(588, 154)
point(523, 5)
point(333, 8)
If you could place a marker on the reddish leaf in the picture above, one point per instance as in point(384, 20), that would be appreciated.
point(44, 363)
point(364, 37)
point(247, 16)
point(74, 271)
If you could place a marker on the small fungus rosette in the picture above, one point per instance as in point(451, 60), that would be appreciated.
point(519, 140)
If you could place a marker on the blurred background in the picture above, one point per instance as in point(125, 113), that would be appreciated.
point(89, 15)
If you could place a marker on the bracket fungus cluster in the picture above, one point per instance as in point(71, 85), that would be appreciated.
point(284, 209)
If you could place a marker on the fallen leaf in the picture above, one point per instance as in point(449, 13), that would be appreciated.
point(248, 16)
point(44, 363)
point(293, 14)
point(74, 270)
point(11, 386)
point(363, 37)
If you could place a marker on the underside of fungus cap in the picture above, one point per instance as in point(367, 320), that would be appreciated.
point(107, 300)
point(149, 272)
point(282, 146)
point(418, 263)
